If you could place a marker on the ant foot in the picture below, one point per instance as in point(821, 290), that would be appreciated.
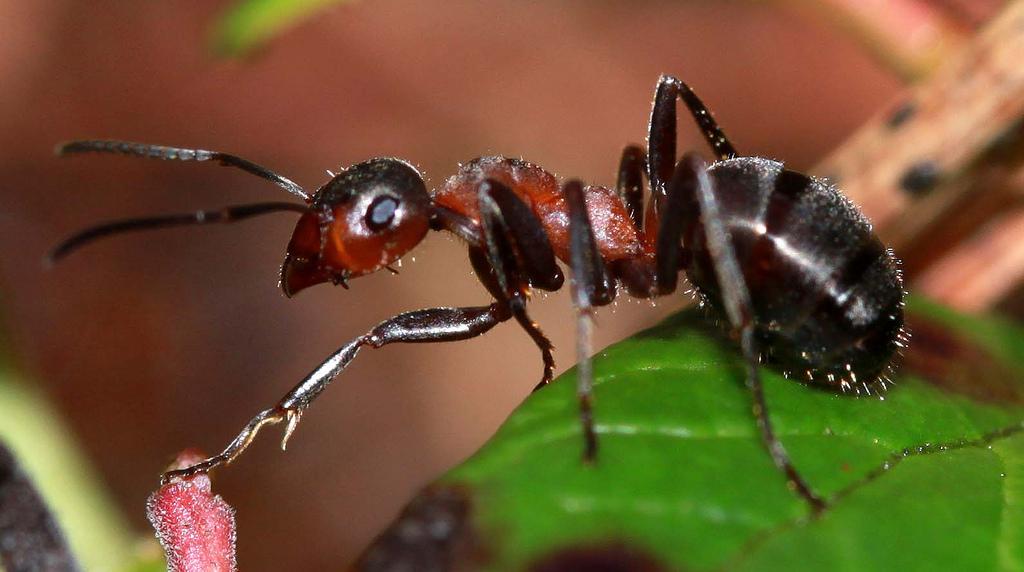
point(589, 448)
point(270, 416)
point(203, 466)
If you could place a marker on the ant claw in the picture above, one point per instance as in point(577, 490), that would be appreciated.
point(292, 417)
point(270, 416)
point(590, 455)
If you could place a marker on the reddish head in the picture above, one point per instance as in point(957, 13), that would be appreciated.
point(362, 220)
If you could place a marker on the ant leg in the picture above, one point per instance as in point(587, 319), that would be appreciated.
point(635, 274)
point(670, 254)
point(223, 215)
point(630, 183)
point(661, 140)
point(443, 218)
point(691, 179)
point(175, 153)
point(517, 306)
point(520, 255)
point(515, 239)
point(420, 326)
point(591, 285)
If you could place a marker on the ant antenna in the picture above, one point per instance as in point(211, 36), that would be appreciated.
point(223, 215)
point(179, 154)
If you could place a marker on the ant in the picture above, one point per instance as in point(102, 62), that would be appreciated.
point(791, 264)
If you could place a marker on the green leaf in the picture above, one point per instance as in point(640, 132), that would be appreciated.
point(47, 451)
point(251, 23)
point(929, 478)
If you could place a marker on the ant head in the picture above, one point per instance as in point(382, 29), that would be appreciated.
point(359, 222)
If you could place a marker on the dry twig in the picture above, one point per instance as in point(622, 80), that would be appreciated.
point(942, 173)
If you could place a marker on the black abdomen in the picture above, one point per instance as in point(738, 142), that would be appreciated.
point(827, 295)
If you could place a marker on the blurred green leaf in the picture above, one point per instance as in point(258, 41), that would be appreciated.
point(682, 479)
point(249, 24)
point(99, 536)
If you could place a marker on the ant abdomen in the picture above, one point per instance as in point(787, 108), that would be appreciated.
point(826, 295)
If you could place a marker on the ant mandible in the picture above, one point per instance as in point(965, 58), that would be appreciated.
point(792, 266)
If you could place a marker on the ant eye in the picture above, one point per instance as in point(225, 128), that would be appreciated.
point(381, 213)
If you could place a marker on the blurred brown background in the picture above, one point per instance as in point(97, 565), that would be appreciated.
point(154, 342)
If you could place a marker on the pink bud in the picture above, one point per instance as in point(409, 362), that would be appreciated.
point(195, 527)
